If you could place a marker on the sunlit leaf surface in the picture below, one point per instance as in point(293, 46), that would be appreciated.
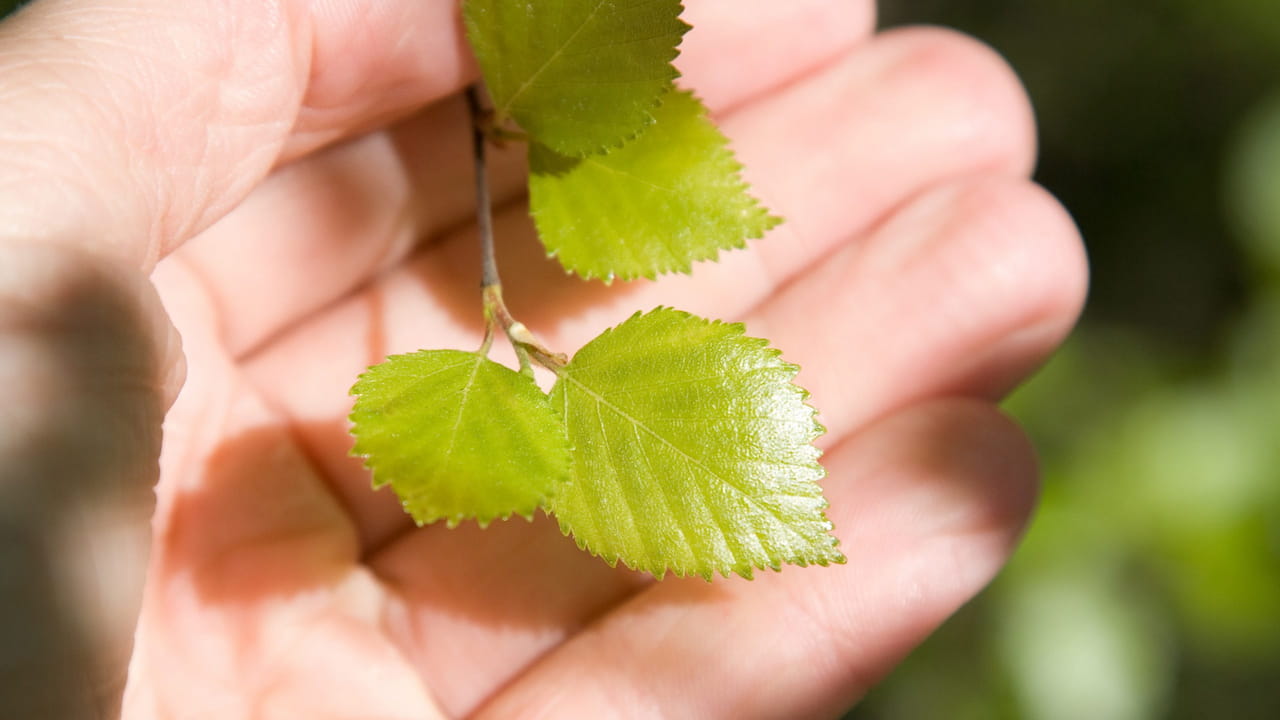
point(670, 198)
point(579, 76)
point(692, 451)
point(458, 436)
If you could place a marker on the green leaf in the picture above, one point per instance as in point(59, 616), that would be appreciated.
point(692, 451)
point(458, 436)
point(656, 205)
point(580, 76)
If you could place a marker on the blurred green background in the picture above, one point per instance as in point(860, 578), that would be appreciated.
point(1149, 584)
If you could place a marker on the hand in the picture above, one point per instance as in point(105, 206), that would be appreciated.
point(298, 177)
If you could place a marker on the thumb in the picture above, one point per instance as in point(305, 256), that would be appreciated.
point(127, 127)
point(86, 358)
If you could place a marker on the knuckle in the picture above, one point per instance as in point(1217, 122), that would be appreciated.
point(970, 85)
point(1035, 252)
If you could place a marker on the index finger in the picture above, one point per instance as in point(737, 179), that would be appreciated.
point(130, 125)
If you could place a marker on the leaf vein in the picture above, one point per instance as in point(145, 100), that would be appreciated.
point(626, 501)
point(462, 409)
point(601, 400)
point(621, 43)
point(630, 176)
point(417, 380)
point(511, 101)
point(664, 497)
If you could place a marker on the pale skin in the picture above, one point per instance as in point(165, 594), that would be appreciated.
point(293, 180)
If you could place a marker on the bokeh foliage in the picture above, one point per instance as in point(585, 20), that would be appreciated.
point(1149, 584)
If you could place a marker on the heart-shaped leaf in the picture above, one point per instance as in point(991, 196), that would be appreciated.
point(692, 451)
point(458, 436)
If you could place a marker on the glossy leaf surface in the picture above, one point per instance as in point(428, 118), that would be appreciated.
point(579, 76)
point(458, 436)
point(658, 204)
point(692, 451)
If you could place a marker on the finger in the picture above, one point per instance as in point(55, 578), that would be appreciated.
point(928, 502)
point(924, 107)
point(255, 604)
point(891, 149)
point(487, 602)
point(325, 225)
point(965, 290)
point(770, 43)
point(109, 141)
point(129, 125)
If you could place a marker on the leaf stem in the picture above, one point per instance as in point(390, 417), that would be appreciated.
point(484, 204)
point(524, 341)
point(496, 314)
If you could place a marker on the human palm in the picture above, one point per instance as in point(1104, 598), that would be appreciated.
point(920, 276)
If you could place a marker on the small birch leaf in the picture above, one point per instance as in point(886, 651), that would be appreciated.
point(692, 451)
point(458, 436)
point(656, 205)
point(580, 76)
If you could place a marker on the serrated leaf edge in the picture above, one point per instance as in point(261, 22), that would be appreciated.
point(451, 521)
point(649, 120)
point(673, 75)
point(832, 554)
point(757, 208)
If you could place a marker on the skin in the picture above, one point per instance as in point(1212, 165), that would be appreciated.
point(285, 187)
